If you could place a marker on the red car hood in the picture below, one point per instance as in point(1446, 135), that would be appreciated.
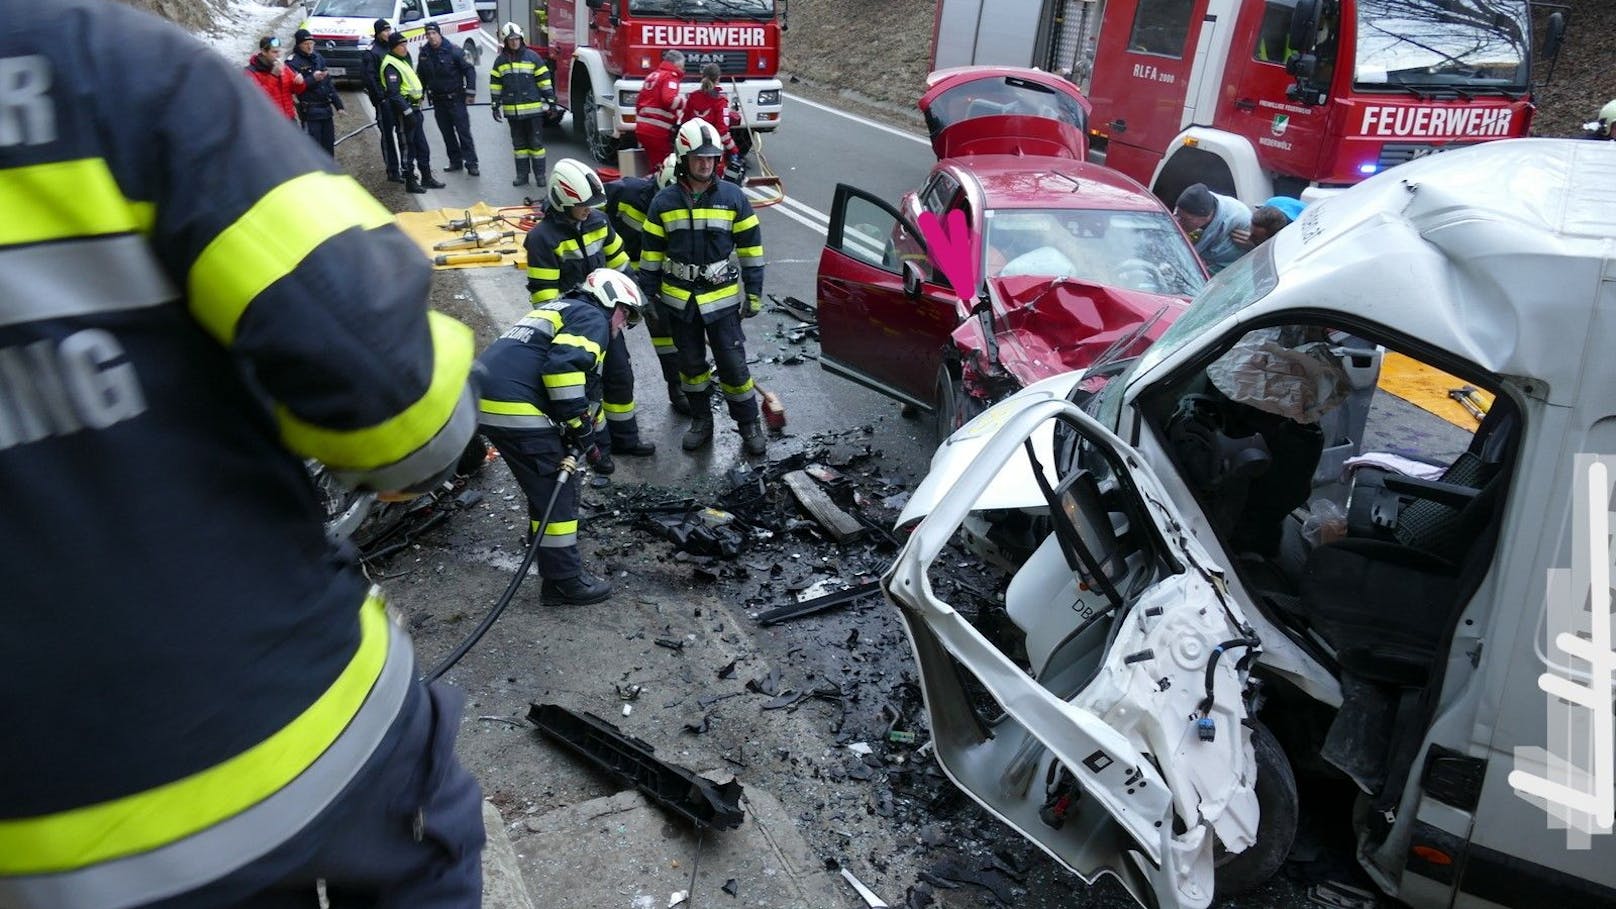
point(1048, 326)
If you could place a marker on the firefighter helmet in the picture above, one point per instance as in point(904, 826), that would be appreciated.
point(667, 171)
point(1607, 117)
point(510, 30)
point(575, 183)
point(611, 289)
point(700, 138)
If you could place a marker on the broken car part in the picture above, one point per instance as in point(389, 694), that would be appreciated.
point(634, 763)
point(818, 604)
point(870, 899)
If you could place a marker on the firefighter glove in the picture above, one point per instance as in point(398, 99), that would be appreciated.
point(497, 115)
point(754, 305)
point(578, 434)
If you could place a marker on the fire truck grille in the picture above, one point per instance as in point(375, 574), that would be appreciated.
point(1395, 153)
point(729, 62)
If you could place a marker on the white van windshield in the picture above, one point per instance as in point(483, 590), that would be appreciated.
point(357, 9)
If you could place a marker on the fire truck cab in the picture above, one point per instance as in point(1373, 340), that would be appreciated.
point(1263, 97)
point(600, 51)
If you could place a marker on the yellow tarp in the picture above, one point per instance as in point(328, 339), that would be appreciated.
point(429, 228)
point(1427, 389)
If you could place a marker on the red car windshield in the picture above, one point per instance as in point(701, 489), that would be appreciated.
point(1132, 250)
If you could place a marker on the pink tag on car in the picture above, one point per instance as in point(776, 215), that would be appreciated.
point(952, 246)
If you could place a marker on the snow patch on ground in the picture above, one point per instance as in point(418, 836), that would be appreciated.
point(241, 23)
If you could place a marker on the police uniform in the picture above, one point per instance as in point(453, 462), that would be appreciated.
point(539, 381)
point(519, 87)
point(561, 252)
point(626, 203)
point(204, 699)
point(450, 79)
point(371, 72)
point(403, 92)
point(317, 106)
point(685, 267)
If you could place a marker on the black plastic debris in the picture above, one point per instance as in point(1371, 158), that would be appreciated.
point(818, 604)
point(841, 526)
point(728, 671)
point(632, 762)
point(765, 684)
point(797, 309)
point(671, 643)
point(731, 888)
point(951, 875)
point(701, 532)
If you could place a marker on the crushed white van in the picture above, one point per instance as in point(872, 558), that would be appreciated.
point(1212, 589)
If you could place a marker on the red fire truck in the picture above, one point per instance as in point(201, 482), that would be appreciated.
point(601, 50)
point(1265, 97)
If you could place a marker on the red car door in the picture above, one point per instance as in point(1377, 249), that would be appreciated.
point(872, 330)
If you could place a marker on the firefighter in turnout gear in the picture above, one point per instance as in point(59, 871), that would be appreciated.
point(572, 241)
point(402, 92)
point(222, 711)
point(371, 72)
point(541, 386)
point(627, 200)
point(692, 230)
point(520, 90)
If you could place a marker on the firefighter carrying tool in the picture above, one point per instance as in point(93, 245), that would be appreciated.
point(627, 201)
point(541, 385)
point(569, 244)
point(691, 230)
point(223, 705)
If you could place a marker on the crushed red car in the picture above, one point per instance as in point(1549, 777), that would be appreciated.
point(1074, 257)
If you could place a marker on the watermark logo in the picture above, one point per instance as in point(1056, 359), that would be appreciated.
point(953, 247)
point(1574, 779)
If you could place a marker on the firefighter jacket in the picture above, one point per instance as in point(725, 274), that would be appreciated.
point(561, 252)
point(686, 248)
point(370, 69)
point(280, 88)
point(626, 202)
point(446, 72)
point(657, 104)
point(545, 370)
point(712, 106)
point(319, 97)
point(520, 84)
point(401, 87)
point(192, 672)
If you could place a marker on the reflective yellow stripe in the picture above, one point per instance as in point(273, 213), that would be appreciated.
point(618, 408)
point(270, 240)
point(749, 252)
point(661, 342)
point(654, 229)
point(714, 214)
point(67, 199)
point(742, 388)
point(146, 820)
point(564, 380)
point(630, 214)
point(618, 260)
point(573, 340)
point(390, 440)
point(544, 295)
point(560, 528)
point(746, 223)
point(544, 274)
point(651, 255)
point(548, 315)
point(508, 408)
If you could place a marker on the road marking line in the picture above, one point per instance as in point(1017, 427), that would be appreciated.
point(814, 226)
point(857, 119)
point(797, 209)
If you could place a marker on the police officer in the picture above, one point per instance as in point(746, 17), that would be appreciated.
point(222, 706)
point(570, 243)
point(627, 201)
point(370, 70)
point(540, 385)
point(693, 228)
point(520, 89)
point(451, 83)
point(317, 105)
point(402, 91)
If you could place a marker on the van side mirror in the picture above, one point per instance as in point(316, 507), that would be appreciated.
point(782, 6)
point(1556, 35)
point(410, 15)
point(1304, 25)
point(913, 277)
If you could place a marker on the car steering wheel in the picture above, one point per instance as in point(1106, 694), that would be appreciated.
point(1139, 275)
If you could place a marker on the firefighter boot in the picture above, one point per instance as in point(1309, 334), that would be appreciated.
point(701, 421)
point(752, 439)
point(579, 591)
point(522, 164)
point(428, 181)
point(676, 398)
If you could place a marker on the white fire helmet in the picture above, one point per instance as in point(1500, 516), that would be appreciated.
point(615, 292)
point(573, 182)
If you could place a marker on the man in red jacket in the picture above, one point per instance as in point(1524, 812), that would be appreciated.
point(656, 108)
point(279, 81)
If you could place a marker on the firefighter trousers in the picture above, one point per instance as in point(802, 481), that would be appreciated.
point(455, 125)
point(534, 457)
point(407, 833)
point(692, 335)
point(617, 384)
point(656, 324)
point(527, 142)
point(387, 125)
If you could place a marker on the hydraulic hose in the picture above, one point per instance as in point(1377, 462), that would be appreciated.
point(569, 466)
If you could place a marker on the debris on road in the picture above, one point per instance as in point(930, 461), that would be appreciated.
point(869, 897)
point(842, 526)
point(633, 762)
point(731, 888)
point(818, 604)
point(795, 308)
